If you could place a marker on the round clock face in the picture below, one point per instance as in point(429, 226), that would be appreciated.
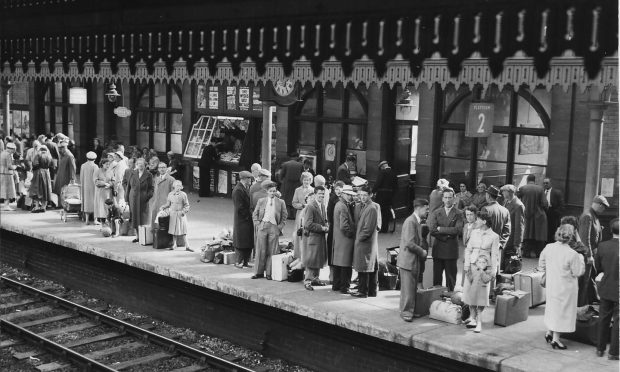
point(284, 87)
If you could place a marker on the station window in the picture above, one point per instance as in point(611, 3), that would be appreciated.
point(158, 118)
point(57, 115)
point(19, 116)
point(518, 146)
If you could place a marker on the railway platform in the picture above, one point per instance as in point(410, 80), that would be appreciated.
point(520, 347)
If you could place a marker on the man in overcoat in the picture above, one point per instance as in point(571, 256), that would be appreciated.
point(500, 219)
point(412, 252)
point(607, 263)
point(139, 192)
point(162, 186)
point(533, 198)
point(344, 239)
point(384, 190)
point(243, 227)
point(315, 243)
point(366, 245)
point(290, 176)
point(591, 234)
point(516, 209)
point(445, 224)
point(269, 217)
point(555, 200)
point(66, 168)
point(87, 183)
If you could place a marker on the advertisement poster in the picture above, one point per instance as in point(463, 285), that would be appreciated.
point(201, 96)
point(213, 98)
point(244, 98)
point(257, 104)
point(231, 98)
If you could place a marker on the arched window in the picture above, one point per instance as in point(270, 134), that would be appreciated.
point(518, 146)
point(158, 116)
point(57, 116)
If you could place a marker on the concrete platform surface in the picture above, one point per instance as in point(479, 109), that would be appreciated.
point(520, 347)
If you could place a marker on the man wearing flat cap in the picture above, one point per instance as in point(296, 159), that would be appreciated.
point(66, 168)
point(7, 183)
point(87, 183)
point(591, 234)
point(269, 218)
point(384, 190)
point(243, 228)
point(500, 218)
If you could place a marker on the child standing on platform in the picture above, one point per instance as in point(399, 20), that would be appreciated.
point(179, 207)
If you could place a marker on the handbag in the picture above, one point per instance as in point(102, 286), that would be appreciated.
point(543, 280)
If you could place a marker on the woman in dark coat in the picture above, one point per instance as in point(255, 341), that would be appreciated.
point(139, 192)
point(41, 186)
point(243, 226)
point(207, 161)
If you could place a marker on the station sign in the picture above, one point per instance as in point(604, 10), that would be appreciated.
point(122, 112)
point(77, 96)
point(480, 119)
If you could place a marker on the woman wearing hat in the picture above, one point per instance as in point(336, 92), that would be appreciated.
point(41, 186)
point(87, 183)
point(66, 168)
point(103, 190)
point(299, 203)
point(7, 182)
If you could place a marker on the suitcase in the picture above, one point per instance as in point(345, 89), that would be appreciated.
point(425, 297)
point(505, 278)
point(586, 332)
point(530, 282)
point(161, 239)
point(145, 236)
point(427, 276)
point(229, 257)
point(279, 266)
point(511, 308)
point(446, 311)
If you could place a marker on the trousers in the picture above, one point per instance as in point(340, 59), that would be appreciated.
point(342, 278)
point(408, 291)
point(266, 246)
point(608, 311)
point(449, 265)
point(368, 282)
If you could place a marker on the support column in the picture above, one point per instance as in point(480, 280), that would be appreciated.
point(593, 162)
point(265, 153)
point(6, 89)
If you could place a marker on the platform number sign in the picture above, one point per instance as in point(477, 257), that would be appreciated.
point(480, 119)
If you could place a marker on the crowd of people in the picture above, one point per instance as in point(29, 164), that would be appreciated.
point(336, 223)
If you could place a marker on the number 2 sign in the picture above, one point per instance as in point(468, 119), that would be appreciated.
point(480, 119)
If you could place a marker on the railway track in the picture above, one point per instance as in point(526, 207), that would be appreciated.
point(146, 350)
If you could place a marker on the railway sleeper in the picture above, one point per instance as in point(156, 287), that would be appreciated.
point(103, 337)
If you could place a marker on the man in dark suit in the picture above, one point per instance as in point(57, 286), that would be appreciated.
point(243, 228)
point(384, 189)
point(607, 263)
point(269, 218)
point(445, 224)
point(316, 227)
point(533, 197)
point(344, 170)
point(555, 200)
point(500, 219)
point(516, 209)
point(412, 252)
point(290, 177)
point(591, 234)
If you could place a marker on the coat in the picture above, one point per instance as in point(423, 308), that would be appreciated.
point(119, 174)
point(139, 192)
point(606, 261)
point(41, 184)
point(243, 228)
point(500, 221)
point(463, 199)
point(516, 209)
point(179, 207)
point(385, 187)
point(344, 235)
point(479, 199)
point(343, 174)
point(533, 198)
point(256, 192)
point(101, 177)
point(162, 186)
point(413, 246)
point(483, 244)
point(290, 176)
point(315, 243)
point(330, 206)
point(562, 266)
point(590, 231)
point(87, 183)
point(554, 212)
point(445, 245)
point(7, 183)
point(435, 200)
point(366, 243)
point(65, 172)
point(299, 199)
point(281, 213)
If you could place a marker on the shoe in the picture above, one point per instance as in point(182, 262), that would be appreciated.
point(372, 295)
point(558, 345)
point(417, 315)
point(134, 241)
point(238, 266)
point(407, 318)
point(600, 353)
point(612, 357)
point(308, 286)
point(468, 320)
point(478, 327)
point(472, 324)
point(345, 291)
point(548, 338)
point(188, 249)
point(258, 276)
point(268, 277)
point(359, 295)
point(318, 283)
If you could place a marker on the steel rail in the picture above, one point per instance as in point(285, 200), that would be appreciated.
point(143, 334)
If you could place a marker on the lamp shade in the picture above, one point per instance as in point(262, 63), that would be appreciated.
point(77, 96)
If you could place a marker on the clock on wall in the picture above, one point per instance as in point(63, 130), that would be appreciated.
point(284, 88)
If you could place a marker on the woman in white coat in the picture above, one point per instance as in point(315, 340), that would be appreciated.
point(562, 266)
point(299, 203)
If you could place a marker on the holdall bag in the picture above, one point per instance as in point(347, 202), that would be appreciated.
point(511, 308)
point(531, 282)
point(145, 236)
point(295, 275)
point(513, 265)
point(446, 311)
point(388, 276)
point(425, 297)
point(219, 258)
point(208, 255)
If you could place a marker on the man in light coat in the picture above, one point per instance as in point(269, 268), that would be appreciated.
point(516, 209)
point(344, 240)
point(366, 245)
point(533, 198)
point(315, 243)
point(269, 217)
point(411, 253)
point(162, 186)
point(87, 183)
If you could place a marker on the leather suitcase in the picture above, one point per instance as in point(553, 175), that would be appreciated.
point(586, 332)
point(512, 308)
point(279, 269)
point(161, 239)
point(445, 311)
point(145, 236)
point(229, 258)
point(425, 297)
point(530, 282)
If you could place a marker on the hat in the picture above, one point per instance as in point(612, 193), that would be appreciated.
point(601, 200)
point(245, 174)
point(493, 191)
point(63, 144)
point(267, 184)
point(443, 183)
point(264, 172)
point(11, 145)
point(91, 155)
point(383, 163)
point(120, 153)
point(348, 189)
